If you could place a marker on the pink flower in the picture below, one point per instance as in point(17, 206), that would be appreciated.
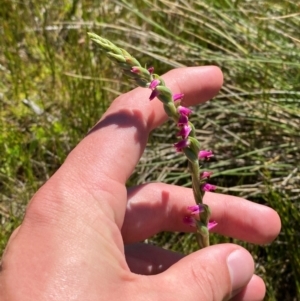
point(211, 225)
point(181, 144)
point(184, 131)
point(195, 209)
point(154, 84)
point(178, 96)
point(205, 174)
point(205, 154)
point(184, 111)
point(183, 115)
point(208, 187)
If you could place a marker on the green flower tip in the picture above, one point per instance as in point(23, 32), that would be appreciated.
point(105, 44)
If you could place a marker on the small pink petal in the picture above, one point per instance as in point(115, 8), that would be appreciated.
point(205, 154)
point(211, 225)
point(178, 96)
point(153, 94)
point(195, 209)
point(181, 144)
point(184, 111)
point(205, 174)
point(208, 187)
point(185, 131)
point(154, 84)
point(188, 220)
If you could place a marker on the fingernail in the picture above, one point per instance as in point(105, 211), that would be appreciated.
point(241, 268)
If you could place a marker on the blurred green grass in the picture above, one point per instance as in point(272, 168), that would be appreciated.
point(55, 84)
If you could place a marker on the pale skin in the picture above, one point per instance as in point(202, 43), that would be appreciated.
point(70, 245)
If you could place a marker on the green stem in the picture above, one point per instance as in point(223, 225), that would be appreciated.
point(194, 170)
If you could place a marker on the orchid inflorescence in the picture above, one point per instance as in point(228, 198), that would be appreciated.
point(198, 215)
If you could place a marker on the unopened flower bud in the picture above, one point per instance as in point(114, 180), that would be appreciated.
point(117, 57)
point(132, 61)
point(141, 72)
point(151, 70)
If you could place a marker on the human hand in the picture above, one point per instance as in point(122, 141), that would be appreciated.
point(70, 245)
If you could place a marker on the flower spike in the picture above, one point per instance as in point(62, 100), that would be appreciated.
point(199, 214)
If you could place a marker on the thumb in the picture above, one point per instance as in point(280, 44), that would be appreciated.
point(214, 273)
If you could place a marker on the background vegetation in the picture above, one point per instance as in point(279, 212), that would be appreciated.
point(55, 85)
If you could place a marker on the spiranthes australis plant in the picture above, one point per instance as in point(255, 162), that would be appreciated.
point(198, 215)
